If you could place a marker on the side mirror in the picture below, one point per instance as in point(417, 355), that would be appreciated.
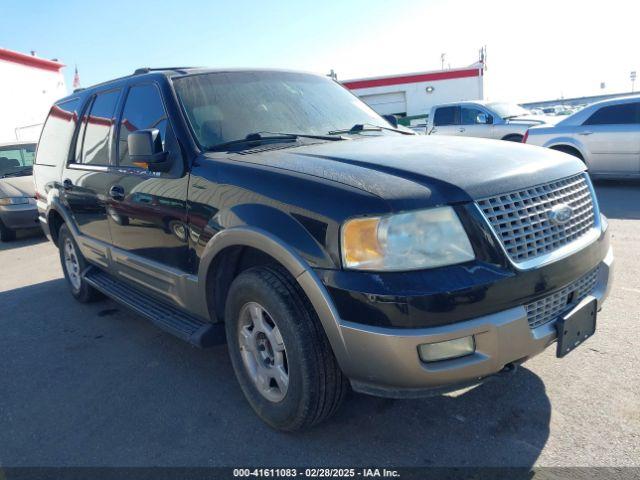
point(145, 150)
point(393, 121)
point(482, 118)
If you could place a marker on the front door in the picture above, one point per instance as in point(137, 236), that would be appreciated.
point(471, 127)
point(85, 178)
point(147, 211)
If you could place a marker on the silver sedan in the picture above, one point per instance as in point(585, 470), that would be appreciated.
point(17, 203)
point(605, 135)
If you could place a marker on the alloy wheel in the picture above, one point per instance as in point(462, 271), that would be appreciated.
point(263, 352)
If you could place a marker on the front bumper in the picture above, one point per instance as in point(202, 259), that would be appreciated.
point(384, 361)
point(18, 217)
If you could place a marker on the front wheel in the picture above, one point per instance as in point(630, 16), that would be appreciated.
point(279, 351)
point(73, 266)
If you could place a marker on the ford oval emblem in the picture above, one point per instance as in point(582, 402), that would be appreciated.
point(560, 214)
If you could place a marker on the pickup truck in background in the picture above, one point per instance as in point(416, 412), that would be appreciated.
point(497, 120)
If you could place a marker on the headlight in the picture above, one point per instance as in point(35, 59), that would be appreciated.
point(14, 201)
point(406, 241)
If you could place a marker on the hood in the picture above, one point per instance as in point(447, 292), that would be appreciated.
point(431, 169)
point(17, 187)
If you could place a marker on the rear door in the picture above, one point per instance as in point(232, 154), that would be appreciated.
point(86, 177)
point(148, 213)
point(612, 138)
point(446, 121)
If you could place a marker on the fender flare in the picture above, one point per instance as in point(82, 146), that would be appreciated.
point(54, 205)
point(299, 269)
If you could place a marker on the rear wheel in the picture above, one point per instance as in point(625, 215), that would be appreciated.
point(73, 266)
point(279, 351)
point(6, 234)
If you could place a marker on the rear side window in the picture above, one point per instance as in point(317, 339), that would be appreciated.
point(623, 114)
point(53, 148)
point(97, 128)
point(143, 109)
point(447, 116)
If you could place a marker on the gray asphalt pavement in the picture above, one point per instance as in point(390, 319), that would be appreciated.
point(95, 385)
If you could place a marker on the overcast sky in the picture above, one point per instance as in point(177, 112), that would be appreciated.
point(536, 50)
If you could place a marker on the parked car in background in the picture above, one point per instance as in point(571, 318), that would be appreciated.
point(276, 212)
point(17, 203)
point(551, 110)
point(604, 135)
point(497, 120)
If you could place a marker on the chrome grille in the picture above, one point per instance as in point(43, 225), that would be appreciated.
point(521, 218)
point(553, 306)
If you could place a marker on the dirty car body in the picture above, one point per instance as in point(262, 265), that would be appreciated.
point(488, 270)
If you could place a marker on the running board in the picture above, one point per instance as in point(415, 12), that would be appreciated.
point(167, 317)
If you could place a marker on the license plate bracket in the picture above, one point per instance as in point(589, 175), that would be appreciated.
point(576, 326)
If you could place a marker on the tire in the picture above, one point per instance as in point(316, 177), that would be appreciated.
point(6, 234)
point(513, 138)
point(80, 289)
point(316, 386)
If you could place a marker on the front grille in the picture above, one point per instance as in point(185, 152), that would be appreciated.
point(551, 307)
point(521, 218)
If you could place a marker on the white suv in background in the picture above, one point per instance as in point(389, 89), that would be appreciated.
point(497, 120)
point(605, 135)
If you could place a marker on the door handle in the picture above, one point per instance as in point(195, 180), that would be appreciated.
point(586, 133)
point(116, 192)
point(67, 184)
point(461, 129)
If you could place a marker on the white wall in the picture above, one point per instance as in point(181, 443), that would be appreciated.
point(419, 102)
point(26, 94)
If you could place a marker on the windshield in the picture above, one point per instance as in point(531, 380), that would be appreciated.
point(505, 110)
point(223, 107)
point(17, 159)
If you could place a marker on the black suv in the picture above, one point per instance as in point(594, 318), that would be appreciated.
point(275, 211)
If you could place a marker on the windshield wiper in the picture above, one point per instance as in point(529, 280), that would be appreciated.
point(368, 127)
point(258, 138)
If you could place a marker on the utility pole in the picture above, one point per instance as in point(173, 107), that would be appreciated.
point(442, 57)
point(633, 80)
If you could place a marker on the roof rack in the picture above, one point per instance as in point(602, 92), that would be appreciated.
point(140, 71)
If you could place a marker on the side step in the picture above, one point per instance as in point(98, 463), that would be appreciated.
point(167, 317)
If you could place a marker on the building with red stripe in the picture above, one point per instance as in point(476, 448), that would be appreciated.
point(413, 94)
point(28, 87)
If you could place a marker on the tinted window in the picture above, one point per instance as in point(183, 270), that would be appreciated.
point(469, 116)
point(18, 158)
point(447, 116)
point(58, 133)
point(97, 130)
point(624, 113)
point(143, 109)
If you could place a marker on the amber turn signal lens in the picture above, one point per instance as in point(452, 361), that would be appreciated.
point(360, 241)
